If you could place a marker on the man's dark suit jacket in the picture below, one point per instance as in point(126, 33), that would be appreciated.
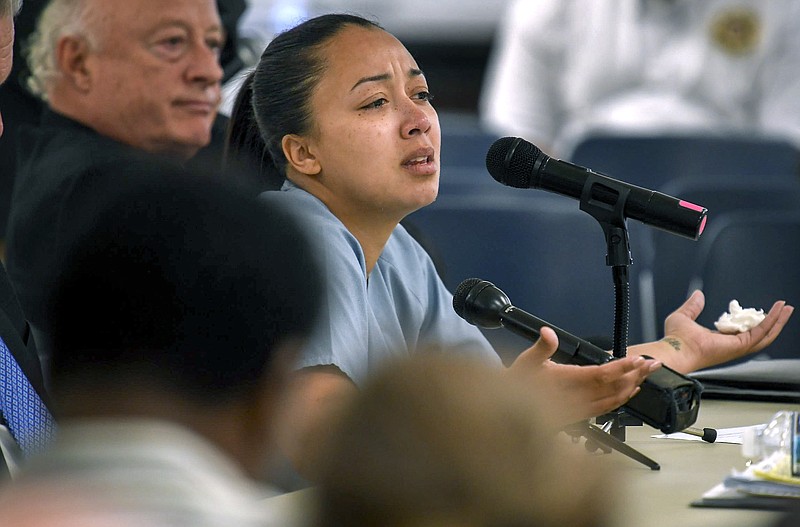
point(56, 183)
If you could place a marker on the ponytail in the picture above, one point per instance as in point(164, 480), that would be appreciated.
point(246, 154)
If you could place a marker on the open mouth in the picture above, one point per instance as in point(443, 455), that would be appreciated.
point(419, 158)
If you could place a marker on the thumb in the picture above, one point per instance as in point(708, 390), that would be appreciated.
point(693, 305)
point(544, 348)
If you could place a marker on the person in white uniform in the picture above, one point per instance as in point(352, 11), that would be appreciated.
point(561, 69)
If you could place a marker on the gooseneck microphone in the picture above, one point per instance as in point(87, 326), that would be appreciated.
point(515, 162)
point(667, 400)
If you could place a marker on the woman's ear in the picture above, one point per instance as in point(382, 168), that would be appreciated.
point(299, 155)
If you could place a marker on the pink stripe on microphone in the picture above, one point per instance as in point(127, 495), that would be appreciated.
point(692, 206)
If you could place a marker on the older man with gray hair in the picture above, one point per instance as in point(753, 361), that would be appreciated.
point(118, 77)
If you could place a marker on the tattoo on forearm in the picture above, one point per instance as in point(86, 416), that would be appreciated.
point(675, 343)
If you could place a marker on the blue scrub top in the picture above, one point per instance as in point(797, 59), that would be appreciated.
point(403, 308)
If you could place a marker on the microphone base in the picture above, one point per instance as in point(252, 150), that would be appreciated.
point(597, 438)
point(615, 422)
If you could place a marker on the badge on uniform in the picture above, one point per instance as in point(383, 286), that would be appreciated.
point(736, 31)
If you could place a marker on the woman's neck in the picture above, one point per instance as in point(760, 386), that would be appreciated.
point(372, 234)
point(372, 228)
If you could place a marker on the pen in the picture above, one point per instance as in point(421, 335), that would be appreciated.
point(708, 435)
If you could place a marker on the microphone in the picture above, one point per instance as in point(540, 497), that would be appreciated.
point(515, 162)
point(482, 304)
point(667, 400)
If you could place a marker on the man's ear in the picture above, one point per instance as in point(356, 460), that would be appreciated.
point(299, 154)
point(72, 53)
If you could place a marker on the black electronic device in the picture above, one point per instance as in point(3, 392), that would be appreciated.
point(515, 162)
point(667, 400)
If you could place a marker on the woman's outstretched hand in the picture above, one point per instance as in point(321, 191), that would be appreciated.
point(581, 392)
point(688, 346)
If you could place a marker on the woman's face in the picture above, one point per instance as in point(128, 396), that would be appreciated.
point(375, 134)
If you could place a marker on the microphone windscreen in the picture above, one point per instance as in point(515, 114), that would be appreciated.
point(460, 296)
point(510, 161)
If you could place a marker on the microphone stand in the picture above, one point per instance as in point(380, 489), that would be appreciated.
point(618, 257)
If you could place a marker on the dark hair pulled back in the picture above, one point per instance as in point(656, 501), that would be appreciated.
point(274, 99)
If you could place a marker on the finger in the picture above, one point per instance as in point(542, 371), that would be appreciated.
point(758, 333)
point(635, 364)
point(786, 314)
point(768, 330)
point(544, 348)
point(593, 390)
point(782, 312)
point(620, 391)
point(617, 378)
point(693, 305)
point(612, 402)
point(636, 374)
point(628, 385)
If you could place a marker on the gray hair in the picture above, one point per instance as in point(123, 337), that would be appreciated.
point(10, 7)
point(59, 19)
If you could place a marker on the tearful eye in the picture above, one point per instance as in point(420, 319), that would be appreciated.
point(375, 104)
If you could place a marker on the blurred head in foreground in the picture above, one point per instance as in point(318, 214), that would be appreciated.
point(180, 299)
point(432, 441)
